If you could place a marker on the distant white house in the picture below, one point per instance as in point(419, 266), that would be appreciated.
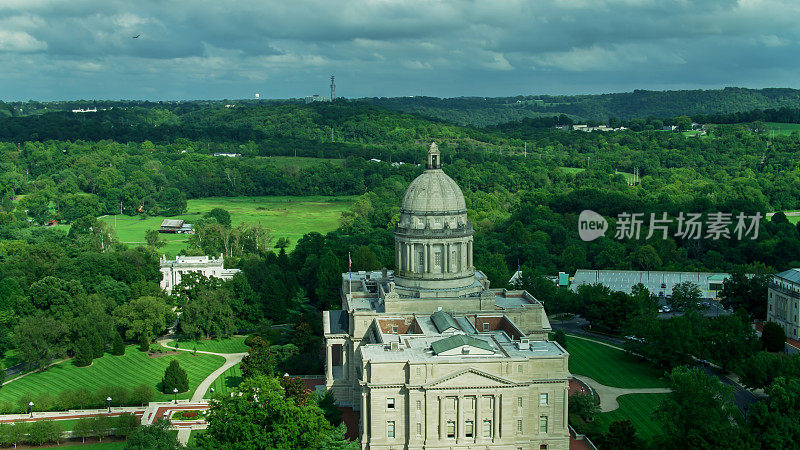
point(229, 155)
point(208, 266)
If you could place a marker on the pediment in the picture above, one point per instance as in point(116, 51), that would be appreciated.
point(469, 378)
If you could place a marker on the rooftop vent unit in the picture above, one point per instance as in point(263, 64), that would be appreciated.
point(524, 344)
point(394, 346)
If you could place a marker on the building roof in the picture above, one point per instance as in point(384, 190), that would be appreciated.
point(458, 340)
point(792, 275)
point(444, 321)
point(434, 191)
point(171, 223)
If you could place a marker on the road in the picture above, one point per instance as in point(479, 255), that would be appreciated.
point(741, 396)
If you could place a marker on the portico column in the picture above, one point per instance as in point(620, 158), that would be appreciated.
point(495, 417)
point(329, 361)
point(364, 415)
point(425, 257)
point(345, 361)
point(477, 427)
point(447, 250)
point(441, 417)
point(460, 419)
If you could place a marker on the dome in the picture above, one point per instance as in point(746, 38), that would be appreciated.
point(433, 191)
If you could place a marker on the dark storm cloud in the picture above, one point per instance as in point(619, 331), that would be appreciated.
point(204, 48)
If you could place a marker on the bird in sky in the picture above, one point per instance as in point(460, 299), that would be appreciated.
point(137, 36)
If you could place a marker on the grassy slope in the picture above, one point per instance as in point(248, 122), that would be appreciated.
point(783, 128)
point(638, 408)
point(574, 170)
point(611, 367)
point(289, 217)
point(226, 381)
point(230, 345)
point(128, 371)
point(301, 162)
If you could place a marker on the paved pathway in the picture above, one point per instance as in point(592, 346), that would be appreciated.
point(231, 359)
point(608, 394)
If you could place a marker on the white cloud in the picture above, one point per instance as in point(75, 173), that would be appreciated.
point(19, 41)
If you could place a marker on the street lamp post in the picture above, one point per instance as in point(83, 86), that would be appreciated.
point(30, 408)
point(109, 404)
point(175, 393)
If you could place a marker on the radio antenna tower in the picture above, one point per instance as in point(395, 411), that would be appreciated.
point(333, 88)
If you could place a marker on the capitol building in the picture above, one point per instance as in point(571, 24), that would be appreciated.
point(431, 356)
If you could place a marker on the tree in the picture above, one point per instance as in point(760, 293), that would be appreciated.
point(174, 377)
point(83, 428)
point(260, 359)
point(699, 413)
point(222, 216)
point(17, 433)
point(144, 316)
point(773, 337)
point(43, 431)
point(117, 345)
point(621, 435)
point(329, 281)
point(101, 426)
point(157, 436)
point(748, 293)
point(685, 295)
point(259, 412)
point(584, 405)
point(327, 402)
point(126, 424)
point(153, 239)
point(209, 315)
point(142, 394)
point(83, 353)
point(561, 337)
point(774, 420)
point(365, 259)
point(40, 338)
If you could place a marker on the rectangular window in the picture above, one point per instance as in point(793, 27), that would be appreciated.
point(519, 368)
point(419, 371)
point(394, 329)
point(543, 398)
point(437, 259)
point(390, 429)
point(519, 402)
point(419, 429)
point(486, 326)
point(519, 426)
point(469, 429)
point(543, 424)
point(451, 429)
point(543, 447)
point(487, 428)
point(419, 405)
point(390, 403)
point(421, 260)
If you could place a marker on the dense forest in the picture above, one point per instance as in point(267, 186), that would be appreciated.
point(639, 104)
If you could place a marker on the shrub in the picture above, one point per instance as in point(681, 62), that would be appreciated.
point(773, 337)
point(83, 352)
point(142, 394)
point(126, 424)
point(560, 337)
point(117, 345)
point(174, 378)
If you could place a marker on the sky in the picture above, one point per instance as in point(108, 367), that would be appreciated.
point(215, 49)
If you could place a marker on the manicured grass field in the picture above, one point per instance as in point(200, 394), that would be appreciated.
point(289, 217)
point(638, 408)
point(229, 345)
point(104, 446)
point(130, 370)
point(782, 128)
point(610, 366)
point(301, 162)
point(226, 381)
point(574, 170)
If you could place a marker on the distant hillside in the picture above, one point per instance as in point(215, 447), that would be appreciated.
point(480, 111)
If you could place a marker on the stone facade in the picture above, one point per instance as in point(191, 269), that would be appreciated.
point(783, 301)
point(208, 266)
point(431, 355)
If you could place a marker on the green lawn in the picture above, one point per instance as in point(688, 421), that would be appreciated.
point(229, 345)
point(289, 217)
point(638, 408)
point(130, 370)
point(782, 128)
point(226, 381)
point(574, 170)
point(301, 162)
point(104, 446)
point(610, 366)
